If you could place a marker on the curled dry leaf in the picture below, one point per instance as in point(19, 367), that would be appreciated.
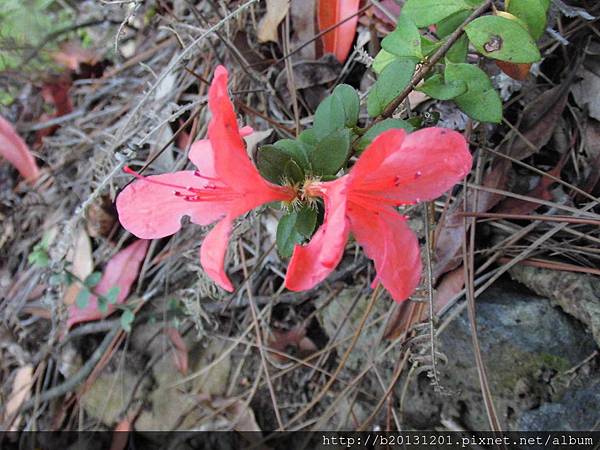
point(339, 40)
point(267, 28)
point(121, 271)
point(16, 151)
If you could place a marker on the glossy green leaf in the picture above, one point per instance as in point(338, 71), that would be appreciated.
point(382, 59)
point(287, 236)
point(405, 40)
point(329, 116)
point(503, 39)
point(391, 82)
point(350, 101)
point(83, 298)
point(296, 149)
point(427, 12)
point(532, 12)
point(272, 163)
point(481, 101)
point(293, 172)
point(436, 88)
point(330, 154)
point(379, 128)
point(306, 221)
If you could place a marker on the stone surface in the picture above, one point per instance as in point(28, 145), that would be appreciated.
point(525, 342)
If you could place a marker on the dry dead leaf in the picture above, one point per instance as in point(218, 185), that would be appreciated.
point(82, 264)
point(267, 28)
point(21, 391)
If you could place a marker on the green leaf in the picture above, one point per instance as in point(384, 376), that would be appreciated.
point(83, 298)
point(447, 26)
point(102, 305)
point(331, 153)
point(382, 59)
point(405, 40)
point(532, 12)
point(350, 101)
point(127, 319)
point(329, 116)
point(428, 46)
point(112, 294)
point(480, 102)
point(296, 149)
point(293, 172)
point(306, 221)
point(379, 128)
point(458, 52)
point(392, 81)
point(504, 39)
point(436, 88)
point(272, 163)
point(92, 279)
point(427, 12)
point(287, 236)
point(308, 137)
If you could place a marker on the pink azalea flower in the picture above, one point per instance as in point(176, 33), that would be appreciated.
point(396, 169)
point(225, 186)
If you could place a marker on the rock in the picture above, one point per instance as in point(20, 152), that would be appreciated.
point(525, 343)
point(576, 411)
point(578, 294)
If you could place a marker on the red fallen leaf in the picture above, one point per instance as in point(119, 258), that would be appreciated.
point(55, 93)
point(121, 271)
point(16, 151)
point(513, 70)
point(339, 40)
point(180, 353)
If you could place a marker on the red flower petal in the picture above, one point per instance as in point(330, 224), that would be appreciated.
point(214, 250)
point(121, 271)
point(391, 244)
point(310, 264)
point(202, 154)
point(152, 211)
point(231, 161)
point(405, 169)
point(15, 150)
